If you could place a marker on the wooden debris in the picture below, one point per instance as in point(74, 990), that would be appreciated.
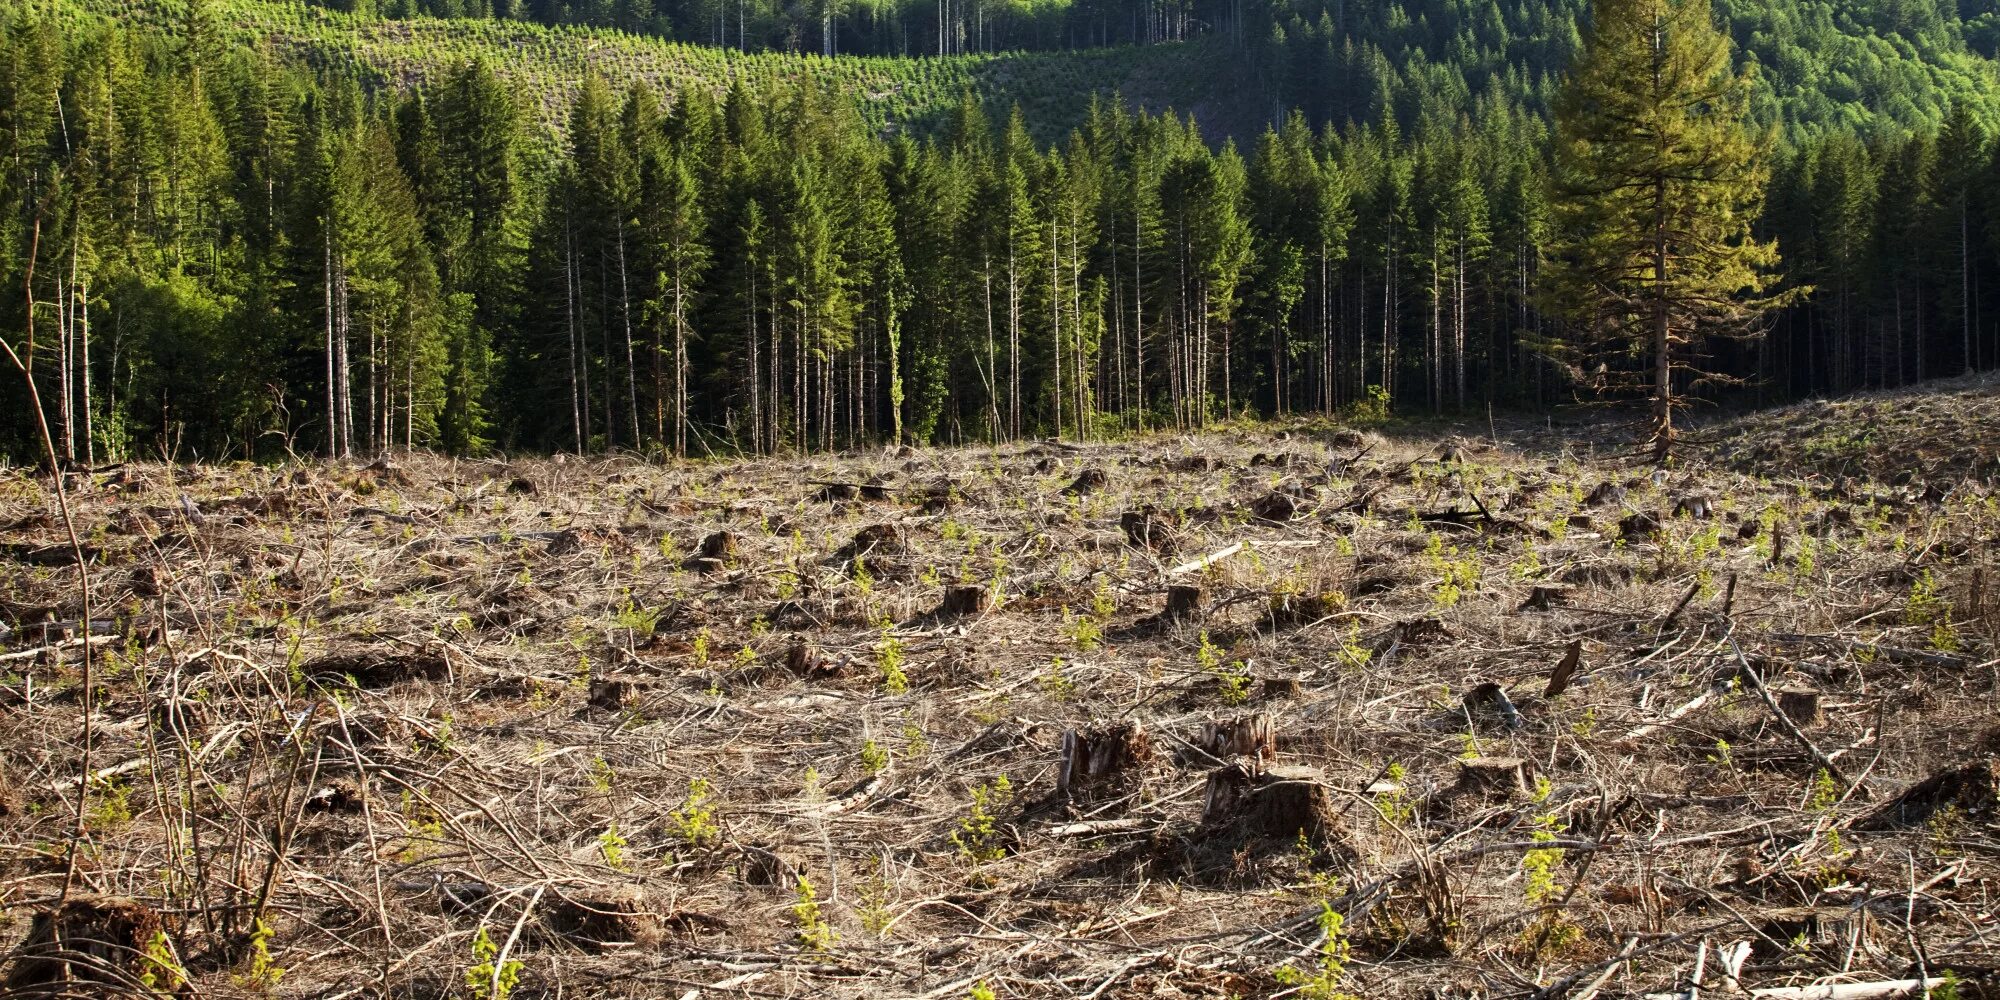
point(1488, 702)
point(1559, 678)
point(1102, 757)
point(1971, 788)
point(1240, 736)
point(88, 939)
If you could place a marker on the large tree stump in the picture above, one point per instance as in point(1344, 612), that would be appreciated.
point(1278, 804)
point(1100, 758)
point(964, 601)
point(718, 545)
point(1274, 507)
point(1972, 788)
point(1242, 736)
point(89, 939)
point(1183, 605)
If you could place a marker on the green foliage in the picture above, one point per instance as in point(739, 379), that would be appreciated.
point(814, 933)
point(694, 822)
point(485, 980)
point(977, 837)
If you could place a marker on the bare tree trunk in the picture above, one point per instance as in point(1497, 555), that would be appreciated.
point(631, 370)
point(576, 402)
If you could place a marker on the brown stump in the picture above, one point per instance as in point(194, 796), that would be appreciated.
point(714, 552)
point(1242, 736)
point(1972, 788)
point(1148, 530)
point(596, 919)
point(612, 693)
point(1282, 687)
point(1274, 507)
point(876, 538)
point(964, 602)
point(1101, 757)
point(1545, 598)
point(1800, 704)
point(1275, 804)
point(1087, 482)
point(1496, 775)
point(90, 939)
point(1183, 604)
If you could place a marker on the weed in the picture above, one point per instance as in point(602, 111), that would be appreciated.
point(163, 973)
point(483, 979)
point(874, 759)
point(612, 846)
point(976, 838)
point(814, 933)
point(1054, 682)
point(263, 973)
point(889, 663)
point(694, 822)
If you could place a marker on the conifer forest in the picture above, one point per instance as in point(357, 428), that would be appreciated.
point(238, 246)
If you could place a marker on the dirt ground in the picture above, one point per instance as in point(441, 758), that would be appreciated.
point(1291, 710)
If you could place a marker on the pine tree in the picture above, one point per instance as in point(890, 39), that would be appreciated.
point(1658, 182)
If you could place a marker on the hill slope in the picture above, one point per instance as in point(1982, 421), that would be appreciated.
point(1820, 66)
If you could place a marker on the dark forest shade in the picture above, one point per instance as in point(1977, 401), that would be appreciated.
point(237, 257)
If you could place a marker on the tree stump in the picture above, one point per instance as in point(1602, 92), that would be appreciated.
point(91, 939)
point(1545, 598)
point(1800, 704)
point(1146, 529)
point(1278, 804)
point(834, 492)
point(611, 693)
point(874, 539)
point(715, 551)
point(1506, 776)
point(1242, 736)
point(1101, 757)
point(964, 602)
point(1972, 788)
point(1282, 687)
point(599, 918)
point(1489, 702)
point(1183, 604)
point(1087, 482)
point(1274, 507)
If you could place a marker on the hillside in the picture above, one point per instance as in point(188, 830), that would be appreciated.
point(606, 727)
point(1935, 433)
point(548, 64)
point(1821, 67)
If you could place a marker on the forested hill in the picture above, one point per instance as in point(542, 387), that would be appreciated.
point(1823, 65)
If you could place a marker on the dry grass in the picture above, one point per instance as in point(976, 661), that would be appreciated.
point(399, 711)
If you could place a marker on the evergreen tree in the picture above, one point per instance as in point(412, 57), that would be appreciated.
point(1658, 181)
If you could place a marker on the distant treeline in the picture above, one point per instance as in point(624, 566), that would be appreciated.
point(230, 259)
